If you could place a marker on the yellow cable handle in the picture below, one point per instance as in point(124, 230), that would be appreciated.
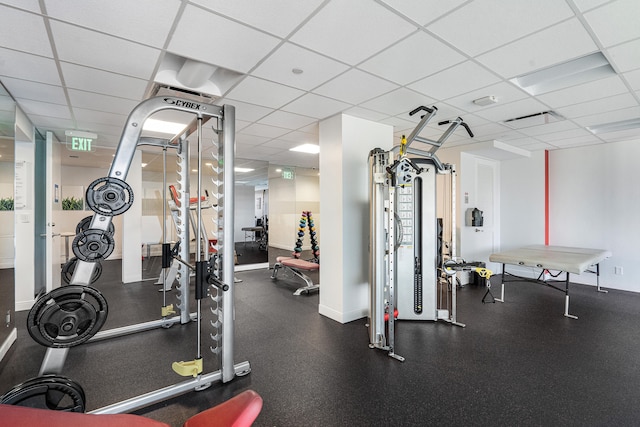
point(403, 146)
point(484, 273)
point(189, 368)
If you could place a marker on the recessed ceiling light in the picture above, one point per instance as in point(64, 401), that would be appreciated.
point(306, 148)
point(278, 170)
point(243, 170)
point(570, 73)
point(144, 165)
point(614, 126)
point(153, 125)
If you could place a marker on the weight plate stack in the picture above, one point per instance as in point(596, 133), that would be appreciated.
point(47, 392)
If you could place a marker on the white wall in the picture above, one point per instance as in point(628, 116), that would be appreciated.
point(345, 142)
point(522, 201)
point(595, 203)
point(244, 212)
point(287, 199)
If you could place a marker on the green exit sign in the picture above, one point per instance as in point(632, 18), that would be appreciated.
point(287, 174)
point(80, 144)
point(81, 141)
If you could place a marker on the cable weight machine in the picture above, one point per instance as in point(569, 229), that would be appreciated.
point(408, 242)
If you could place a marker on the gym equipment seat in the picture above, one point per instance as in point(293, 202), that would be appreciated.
point(238, 411)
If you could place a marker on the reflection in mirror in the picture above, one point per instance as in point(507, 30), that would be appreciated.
point(7, 289)
point(251, 198)
point(293, 190)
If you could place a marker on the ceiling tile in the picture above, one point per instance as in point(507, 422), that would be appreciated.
point(617, 12)
point(364, 113)
point(39, 69)
point(585, 92)
point(623, 135)
point(36, 91)
point(90, 79)
point(50, 122)
point(633, 77)
point(278, 17)
point(84, 47)
point(316, 106)
point(246, 111)
point(264, 130)
point(398, 102)
point(143, 21)
point(423, 11)
point(585, 5)
point(354, 87)
point(98, 102)
point(287, 120)
point(250, 140)
point(24, 31)
point(316, 68)
point(454, 81)
point(228, 36)
point(625, 57)
point(38, 108)
point(569, 134)
point(31, 5)
point(399, 124)
point(493, 24)
point(612, 103)
point(561, 126)
point(262, 92)
point(533, 53)
point(300, 137)
point(332, 31)
point(99, 117)
point(402, 63)
point(512, 110)
point(578, 141)
point(313, 128)
point(609, 117)
point(503, 92)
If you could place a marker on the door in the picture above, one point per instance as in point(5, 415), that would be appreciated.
point(480, 190)
point(53, 212)
point(47, 206)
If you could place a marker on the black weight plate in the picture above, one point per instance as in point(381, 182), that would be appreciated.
point(47, 392)
point(67, 316)
point(109, 196)
point(85, 223)
point(93, 245)
point(70, 266)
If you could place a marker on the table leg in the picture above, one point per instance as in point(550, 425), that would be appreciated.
point(604, 291)
point(566, 299)
point(501, 299)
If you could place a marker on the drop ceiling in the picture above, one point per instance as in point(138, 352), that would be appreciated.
point(85, 64)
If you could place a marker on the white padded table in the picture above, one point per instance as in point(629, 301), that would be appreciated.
point(558, 258)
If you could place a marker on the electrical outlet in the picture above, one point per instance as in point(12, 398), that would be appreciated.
point(618, 271)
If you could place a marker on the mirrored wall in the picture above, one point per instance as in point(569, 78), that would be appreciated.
point(7, 235)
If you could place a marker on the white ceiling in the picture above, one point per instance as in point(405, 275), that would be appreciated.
point(85, 64)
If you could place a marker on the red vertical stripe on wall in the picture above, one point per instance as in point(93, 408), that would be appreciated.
point(546, 197)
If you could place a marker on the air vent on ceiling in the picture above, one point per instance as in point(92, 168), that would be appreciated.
point(536, 119)
point(163, 90)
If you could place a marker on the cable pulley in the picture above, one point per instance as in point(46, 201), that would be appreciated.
point(109, 196)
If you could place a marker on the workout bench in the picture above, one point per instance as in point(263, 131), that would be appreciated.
point(297, 266)
point(238, 411)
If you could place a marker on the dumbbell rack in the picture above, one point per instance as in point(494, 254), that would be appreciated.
point(111, 196)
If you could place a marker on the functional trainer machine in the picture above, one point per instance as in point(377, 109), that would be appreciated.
point(73, 314)
point(408, 241)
